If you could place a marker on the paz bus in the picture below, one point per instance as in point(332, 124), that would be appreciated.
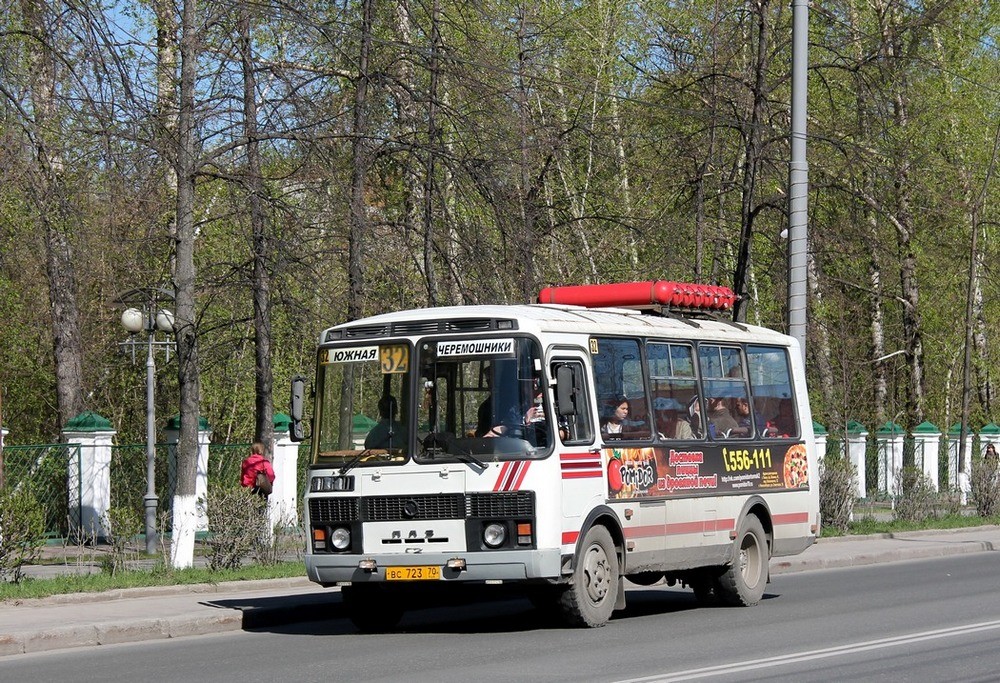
point(605, 433)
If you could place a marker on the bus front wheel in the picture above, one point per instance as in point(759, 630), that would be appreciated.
point(590, 598)
point(743, 582)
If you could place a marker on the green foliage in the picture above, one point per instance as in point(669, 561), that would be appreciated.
point(867, 524)
point(123, 525)
point(916, 499)
point(239, 526)
point(838, 484)
point(984, 483)
point(22, 531)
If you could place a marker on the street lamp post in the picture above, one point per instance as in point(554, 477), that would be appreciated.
point(146, 313)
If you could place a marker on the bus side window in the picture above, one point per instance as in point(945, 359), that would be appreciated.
point(771, 387)
point(572, 403)
point(620, 386)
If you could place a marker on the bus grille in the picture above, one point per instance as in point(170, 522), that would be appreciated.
point(435, 506)
point(393, 508)
point(511, 504)
point(322, 510)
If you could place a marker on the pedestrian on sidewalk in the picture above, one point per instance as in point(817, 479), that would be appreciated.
point(257, 473)
point(991, 455)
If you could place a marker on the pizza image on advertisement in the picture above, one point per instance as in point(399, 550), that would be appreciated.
point(796, 467)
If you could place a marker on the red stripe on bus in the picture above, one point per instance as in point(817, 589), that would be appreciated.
point(583, 474)
point(679, 528)
point(522, 471)
point(580, 465)
point(791, 518)
point(579, 456)
point(502, 475)
point(512, 475)
point(569, 537)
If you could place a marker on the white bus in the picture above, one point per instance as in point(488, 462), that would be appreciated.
point(614, 432)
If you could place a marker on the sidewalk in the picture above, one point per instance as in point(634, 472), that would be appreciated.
point(136, 614)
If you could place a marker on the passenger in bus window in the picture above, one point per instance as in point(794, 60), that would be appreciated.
point(744, 420)
point(615, 421)
point(720, 420)
point(694, 414)
point(670, 421)
point(784, 421)
point(484, 415)
point(387, 433)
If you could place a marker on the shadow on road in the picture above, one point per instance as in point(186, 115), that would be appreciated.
point(472, 610)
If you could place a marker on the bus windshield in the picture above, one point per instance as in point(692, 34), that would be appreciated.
point(363, 404)
point(481, 397)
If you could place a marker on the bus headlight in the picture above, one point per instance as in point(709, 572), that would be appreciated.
point(341, 538)
point(494, 535)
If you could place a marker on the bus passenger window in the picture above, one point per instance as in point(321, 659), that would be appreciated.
point(620, 387)
point(771, 388)
point(675, 390)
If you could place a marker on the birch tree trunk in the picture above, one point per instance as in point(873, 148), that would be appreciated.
point(51, 204)
point(185, 321)
point(261, 286)
point(751, 161)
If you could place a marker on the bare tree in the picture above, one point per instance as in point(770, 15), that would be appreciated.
point(185, 284)
point(261, 283)
point(41, 25)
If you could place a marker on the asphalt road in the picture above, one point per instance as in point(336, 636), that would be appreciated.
point(931, 620)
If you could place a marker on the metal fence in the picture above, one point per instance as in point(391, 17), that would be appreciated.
point(44, 470)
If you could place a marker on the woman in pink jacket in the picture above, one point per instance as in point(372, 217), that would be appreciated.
point(254, 465)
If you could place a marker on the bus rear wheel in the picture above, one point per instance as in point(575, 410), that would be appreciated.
point(372, 608)
point(743, 583)
point(590, 598)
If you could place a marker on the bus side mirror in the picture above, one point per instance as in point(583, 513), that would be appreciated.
point(297, 402)
point(565, 391)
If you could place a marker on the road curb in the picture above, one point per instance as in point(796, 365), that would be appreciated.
point(136, 630)
point(801, 563)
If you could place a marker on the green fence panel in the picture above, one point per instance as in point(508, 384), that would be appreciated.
point(128, 477)
point(44, 469)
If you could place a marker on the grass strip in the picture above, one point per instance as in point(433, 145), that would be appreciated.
point(159, 575)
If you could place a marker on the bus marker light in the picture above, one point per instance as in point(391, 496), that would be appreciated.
point(368, 565)
point(456, 563)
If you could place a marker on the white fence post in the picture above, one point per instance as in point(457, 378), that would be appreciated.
point(282, 504)
point(955, 482)
point(857, 447)
point(89, 473)
point(890, 447)
point(819, 438)
point(926, 446)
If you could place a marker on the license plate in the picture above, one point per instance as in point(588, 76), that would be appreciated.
point(417, 573)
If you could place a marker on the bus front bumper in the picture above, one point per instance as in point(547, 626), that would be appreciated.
point(502, 565)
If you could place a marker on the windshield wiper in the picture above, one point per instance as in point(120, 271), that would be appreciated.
point(470, 459)
point(352, 463)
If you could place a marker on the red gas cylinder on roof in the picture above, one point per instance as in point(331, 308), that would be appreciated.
point(641, 294)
